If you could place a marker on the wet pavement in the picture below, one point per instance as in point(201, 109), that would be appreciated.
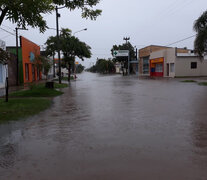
point(112, 128)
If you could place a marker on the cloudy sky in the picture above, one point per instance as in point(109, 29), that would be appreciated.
point(147, 22)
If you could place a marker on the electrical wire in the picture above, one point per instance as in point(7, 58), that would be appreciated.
point(7, 31)
point(5, 36)
point(8, 27)
point(181, 40)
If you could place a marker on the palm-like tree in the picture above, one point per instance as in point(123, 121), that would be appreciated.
point(200, 26)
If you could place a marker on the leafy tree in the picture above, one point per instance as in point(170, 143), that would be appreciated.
point(51, 46)
point(103, 66)
point(124, 60)
point(200, 26)
point(92, 69)
point(30, 12)
point(79, 68)
point(43, 63)
point(71, 47)
point(4, 57)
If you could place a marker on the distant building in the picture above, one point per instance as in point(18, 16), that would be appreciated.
point(162, 61)
point(144, 57)
point(3, 69)
point(28, 54)
point(173, 62)
point(2, 75)
point(118, 68)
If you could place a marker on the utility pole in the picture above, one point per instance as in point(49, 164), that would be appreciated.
point(128, 68)
point(17, 58)
point(17, 54)
point(126, 39)
point(53, 59)
point(58, 43)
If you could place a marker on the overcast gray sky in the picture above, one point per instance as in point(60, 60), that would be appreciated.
point(146, 22)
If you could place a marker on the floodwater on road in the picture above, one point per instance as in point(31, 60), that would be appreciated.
point(112, 128)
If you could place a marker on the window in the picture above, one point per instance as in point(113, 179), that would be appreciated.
point(27, 71)
point(146, 65)
point(172, 67)
point(193, 65)
point(159, 67)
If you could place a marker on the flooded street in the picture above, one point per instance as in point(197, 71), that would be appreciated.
point(112, 128)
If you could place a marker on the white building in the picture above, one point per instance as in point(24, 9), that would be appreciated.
point(169, 63)
point(2, 71)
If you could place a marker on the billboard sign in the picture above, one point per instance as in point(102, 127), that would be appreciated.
point(120, 53)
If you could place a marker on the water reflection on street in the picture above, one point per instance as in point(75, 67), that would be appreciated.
point(112, 127)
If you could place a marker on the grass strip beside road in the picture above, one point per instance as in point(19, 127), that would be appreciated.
point(39, 91)
point(189, 81)
point(203, 83)
point(59, 86)
point(22, 107)
point(29, 102)
point(65, 78)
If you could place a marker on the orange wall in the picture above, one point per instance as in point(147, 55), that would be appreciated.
point(28, 47)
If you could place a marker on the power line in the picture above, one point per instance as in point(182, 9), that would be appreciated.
point(181, 40)
point(7, 27)
point(7, 31)
point(181, 7)
point(5, 36)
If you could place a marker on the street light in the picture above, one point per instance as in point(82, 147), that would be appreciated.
point(17, 53)
point(85, 29)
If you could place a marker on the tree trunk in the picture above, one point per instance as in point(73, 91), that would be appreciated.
point(68, 75)
point(3, 14)
point(69, 72)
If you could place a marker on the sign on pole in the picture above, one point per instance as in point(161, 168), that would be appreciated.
point(120, 53)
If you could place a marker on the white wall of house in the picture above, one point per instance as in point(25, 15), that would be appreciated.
point(2, 79)
point(118, 68)
point(185, 67)
point(181, 64)
point(169, 60)
point(2, 71)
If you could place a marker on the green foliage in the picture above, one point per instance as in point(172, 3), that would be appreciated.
point(37, 91)
point(59, 86)
point(64, 78)
point(43, 63)
point(200, 26)
point(203, 83)
point(70, 46)
point(103, 66)
point(51, 46)
point(79, 68)
point(22, 107)
point(30, 12)
point(4, 57)
point(188, 81)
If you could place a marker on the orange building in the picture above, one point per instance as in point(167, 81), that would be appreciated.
point(30, 51)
